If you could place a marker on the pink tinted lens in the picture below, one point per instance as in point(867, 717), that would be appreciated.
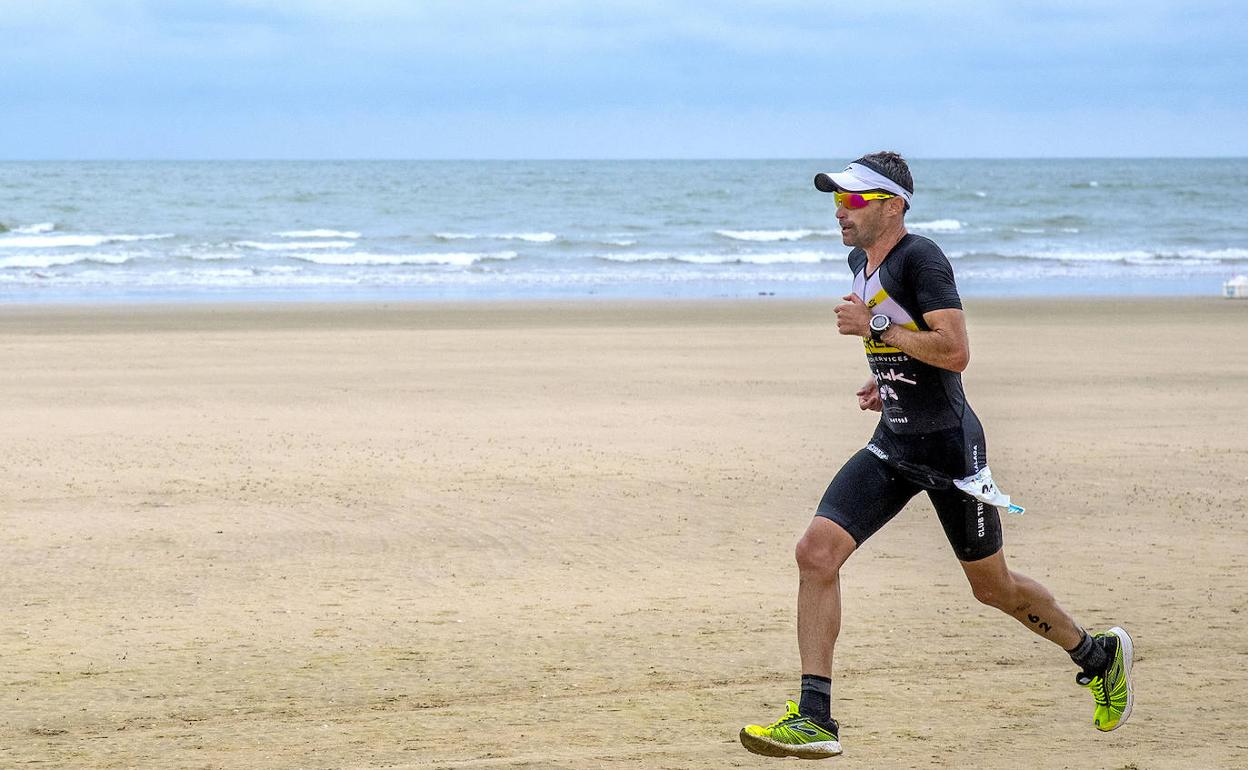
point(851, 200)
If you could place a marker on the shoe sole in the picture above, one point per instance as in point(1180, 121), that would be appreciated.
point(768, 748)
point(1128, 654)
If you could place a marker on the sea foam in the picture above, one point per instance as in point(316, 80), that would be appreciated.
point(1125, 256)
point(767, 258)
point(319, 234)
point(42, 227)
point(769, 236)
point(936, 226)
point(292, 245)
point(459, 259)
point(528, 237)
point(60, 260)
point(76, 241)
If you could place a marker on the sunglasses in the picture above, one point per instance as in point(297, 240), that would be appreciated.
point(853, 200)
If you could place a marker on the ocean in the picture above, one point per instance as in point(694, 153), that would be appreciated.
point(158, 231)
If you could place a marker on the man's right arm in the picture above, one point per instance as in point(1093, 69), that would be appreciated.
point(869, 397)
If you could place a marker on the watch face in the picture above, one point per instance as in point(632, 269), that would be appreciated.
point(879, 322)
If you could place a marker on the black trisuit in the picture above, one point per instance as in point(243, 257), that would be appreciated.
point(927, 433)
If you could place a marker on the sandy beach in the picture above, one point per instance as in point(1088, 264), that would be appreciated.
point(561, 536)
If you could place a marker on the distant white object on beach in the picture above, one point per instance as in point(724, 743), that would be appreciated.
point(1236, 288)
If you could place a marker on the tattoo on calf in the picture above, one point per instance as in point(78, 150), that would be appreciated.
point(1035, 619)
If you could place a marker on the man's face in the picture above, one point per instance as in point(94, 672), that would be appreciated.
point(862, 227)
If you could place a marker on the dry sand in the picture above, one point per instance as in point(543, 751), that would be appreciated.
point(561, 536)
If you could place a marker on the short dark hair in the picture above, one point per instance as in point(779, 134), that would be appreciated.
point(891, 165)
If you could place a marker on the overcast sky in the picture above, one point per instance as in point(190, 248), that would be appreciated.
point(614, 79)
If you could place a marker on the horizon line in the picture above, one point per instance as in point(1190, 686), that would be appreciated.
point(685, 159)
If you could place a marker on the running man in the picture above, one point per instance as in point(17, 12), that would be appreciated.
point(905, 307)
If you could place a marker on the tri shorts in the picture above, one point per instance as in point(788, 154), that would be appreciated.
point(877, 482)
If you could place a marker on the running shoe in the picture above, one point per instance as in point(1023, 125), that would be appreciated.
point(1111, 689)
point(793, 735)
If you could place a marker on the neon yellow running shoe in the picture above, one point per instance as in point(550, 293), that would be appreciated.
point(793, 735)
point(1112, 688)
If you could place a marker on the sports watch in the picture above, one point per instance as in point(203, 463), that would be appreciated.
point(880, 323)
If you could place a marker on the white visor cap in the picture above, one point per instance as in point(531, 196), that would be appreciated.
point(858, 178)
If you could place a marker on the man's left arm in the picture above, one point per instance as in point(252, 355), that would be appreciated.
point(945, 344)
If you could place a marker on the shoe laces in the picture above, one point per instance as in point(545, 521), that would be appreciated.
point(788, 717)
point(1100, 693)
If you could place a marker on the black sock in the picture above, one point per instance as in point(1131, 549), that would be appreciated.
point(1091, 654)
point(816, 697)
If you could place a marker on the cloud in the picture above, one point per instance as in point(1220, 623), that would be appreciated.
point(748, 69)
